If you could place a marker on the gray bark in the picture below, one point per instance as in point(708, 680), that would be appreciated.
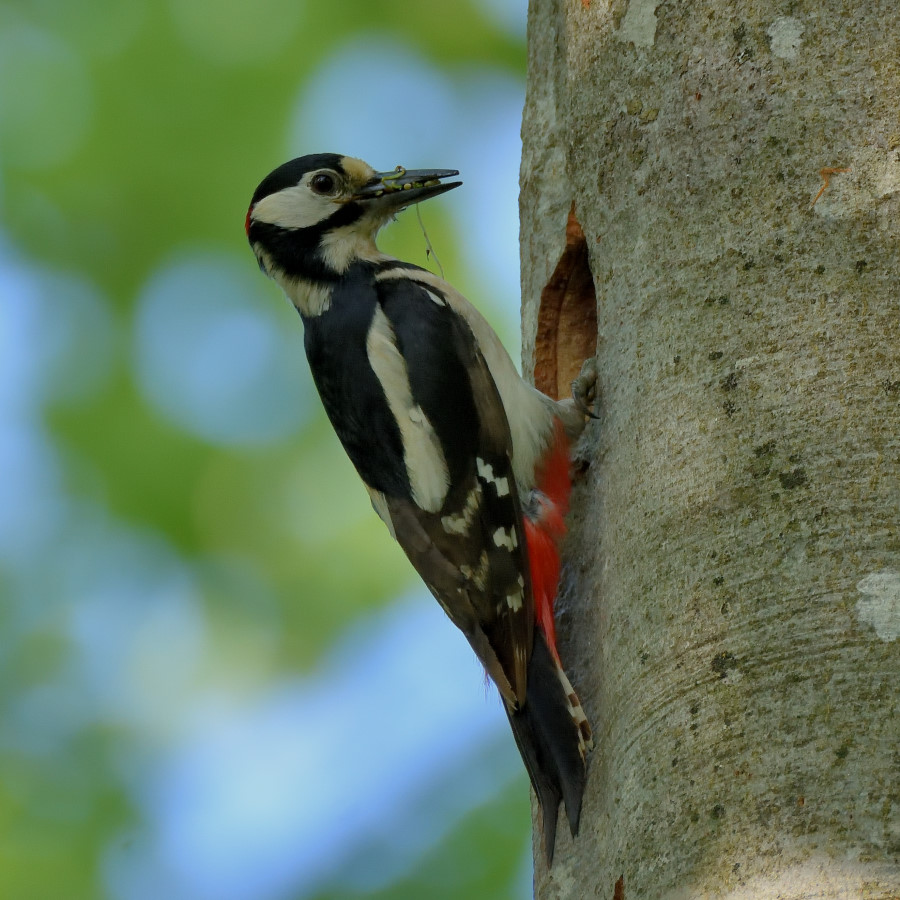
point(730, 607)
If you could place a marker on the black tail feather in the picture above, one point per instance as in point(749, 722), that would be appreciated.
point(549, 742)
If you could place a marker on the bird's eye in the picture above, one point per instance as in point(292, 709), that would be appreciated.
point(322, 183)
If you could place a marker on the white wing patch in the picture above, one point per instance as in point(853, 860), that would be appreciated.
point(514, 601)
point(531, 424)
point(478, 576)
point(426, 466)
point(486, 471)
point(504, 537)
point(460, 522)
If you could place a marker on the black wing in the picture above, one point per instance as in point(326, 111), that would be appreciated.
point(471, 552)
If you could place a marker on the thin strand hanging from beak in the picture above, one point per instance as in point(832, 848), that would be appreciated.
point(429, 250)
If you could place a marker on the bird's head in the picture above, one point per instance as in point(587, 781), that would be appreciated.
point(312, 217)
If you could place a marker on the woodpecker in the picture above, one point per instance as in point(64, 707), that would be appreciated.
point(464, 461)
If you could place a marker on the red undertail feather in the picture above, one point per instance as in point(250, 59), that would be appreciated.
point(550, 728)
point(545, 532)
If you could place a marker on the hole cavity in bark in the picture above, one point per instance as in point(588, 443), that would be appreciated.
point(567, 317)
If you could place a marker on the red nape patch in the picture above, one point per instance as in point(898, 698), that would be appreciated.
point(247, 220)
point(544, 533)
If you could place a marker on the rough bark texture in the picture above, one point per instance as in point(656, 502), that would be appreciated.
point(730, 611)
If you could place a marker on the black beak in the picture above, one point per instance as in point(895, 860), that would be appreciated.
point(403, 187)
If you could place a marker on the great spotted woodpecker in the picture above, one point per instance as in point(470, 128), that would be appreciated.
point(466, 463)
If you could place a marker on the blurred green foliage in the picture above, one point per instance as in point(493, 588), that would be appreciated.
point(128, 130)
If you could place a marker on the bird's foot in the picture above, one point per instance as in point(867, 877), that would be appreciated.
point(584, 388)
point(575, 411)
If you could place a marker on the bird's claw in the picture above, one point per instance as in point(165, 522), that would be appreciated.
point(584, 388)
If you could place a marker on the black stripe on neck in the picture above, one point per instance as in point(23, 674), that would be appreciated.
point(295, 251)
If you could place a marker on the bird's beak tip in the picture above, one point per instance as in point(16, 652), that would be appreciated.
point(403, 187)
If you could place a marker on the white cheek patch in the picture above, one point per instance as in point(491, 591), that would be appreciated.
point(426, 466)
point(293, 207)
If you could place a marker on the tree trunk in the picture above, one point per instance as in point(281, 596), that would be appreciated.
point(730, 609)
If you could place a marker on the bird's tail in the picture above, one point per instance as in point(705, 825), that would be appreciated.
point(553, 736)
